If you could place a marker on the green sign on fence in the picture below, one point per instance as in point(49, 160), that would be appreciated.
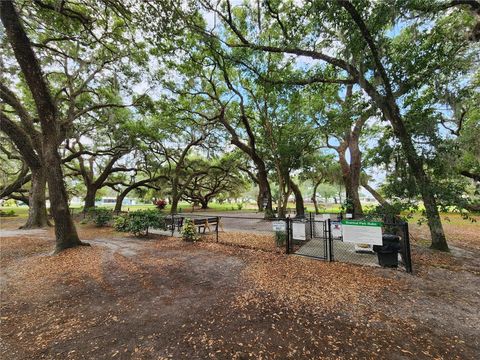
point(362, 232)
point(362, 223)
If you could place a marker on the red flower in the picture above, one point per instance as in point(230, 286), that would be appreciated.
point(160, 204)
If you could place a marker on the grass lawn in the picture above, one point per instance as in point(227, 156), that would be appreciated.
point(22, 211)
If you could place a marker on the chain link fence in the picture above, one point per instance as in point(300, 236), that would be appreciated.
point(317, 236)
point(325, 237)
point(250, 231)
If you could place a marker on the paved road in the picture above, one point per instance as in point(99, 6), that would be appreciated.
point(244, 222)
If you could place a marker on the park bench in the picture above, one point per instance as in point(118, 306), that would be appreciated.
point(177, 222)
point(205, 224)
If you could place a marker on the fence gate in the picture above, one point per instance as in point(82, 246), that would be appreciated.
point(309, 237)
point(323, 239)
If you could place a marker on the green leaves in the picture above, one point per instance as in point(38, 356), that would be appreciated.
point(189, 231)
point(139, 222)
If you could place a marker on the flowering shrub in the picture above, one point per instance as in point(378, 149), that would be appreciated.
point(160, 204)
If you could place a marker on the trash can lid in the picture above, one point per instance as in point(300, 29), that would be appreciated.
point(390, 237)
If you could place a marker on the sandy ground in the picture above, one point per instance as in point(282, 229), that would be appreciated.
point(160, 297)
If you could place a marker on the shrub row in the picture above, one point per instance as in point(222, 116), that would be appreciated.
point(138, 222)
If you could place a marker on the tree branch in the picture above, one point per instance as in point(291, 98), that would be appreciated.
point(21, 140)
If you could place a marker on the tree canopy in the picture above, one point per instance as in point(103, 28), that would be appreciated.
point(199, 100)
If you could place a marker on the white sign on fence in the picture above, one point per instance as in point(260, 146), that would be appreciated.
point(298, 230)
point(279, 226)
point(362, 232)
point(336, 227)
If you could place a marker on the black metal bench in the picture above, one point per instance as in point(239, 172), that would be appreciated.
point(175, 222)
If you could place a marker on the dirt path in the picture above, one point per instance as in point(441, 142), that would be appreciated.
point(125, 298)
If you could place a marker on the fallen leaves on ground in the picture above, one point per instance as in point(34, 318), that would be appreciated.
point(459, 232)
point(43, 272)
point(246, 240)
point(12, 248)
point(423, 258)
point(167, 298)
point(298, 281)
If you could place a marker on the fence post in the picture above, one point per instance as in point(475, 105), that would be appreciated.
point(173, 224)
point(287, 228)
point(329, 240)
point(406, 250)
point(312, 226)
point(216, 229)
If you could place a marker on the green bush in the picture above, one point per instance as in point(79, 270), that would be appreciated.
point(120, 223)
point(9, 202)
point(269, 214)
point(239, 206)
point(139, 222)
point(100, 216)
point(189, 231)
point(280, 238)
point(7, 213)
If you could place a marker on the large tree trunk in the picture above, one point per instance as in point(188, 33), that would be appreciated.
point(388, 104)
point(351, 179)
point(174, 206)
point(299, 205)
point(37, 211)
point(345, 167)
point(260, 200)
point(314, 197)
point(262, 196)
point(474, 176)
point(119, 201)
point(355, 171)
point(376, 195)
point(415, 163)
point(389, 209)
point(283, 203)
point(439, 241)
point(89, 200)
point(263, 184)
point(65, 232)
point(264, 191)
point(283, 193)
point(282, 206)
point(204, 204)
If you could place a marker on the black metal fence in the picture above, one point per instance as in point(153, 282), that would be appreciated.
point(316, 236)
point(323, 239)
point(244, 230)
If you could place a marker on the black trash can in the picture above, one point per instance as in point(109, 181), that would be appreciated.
point(388, 252)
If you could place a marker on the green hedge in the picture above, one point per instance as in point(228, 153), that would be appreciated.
point(139, 222)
